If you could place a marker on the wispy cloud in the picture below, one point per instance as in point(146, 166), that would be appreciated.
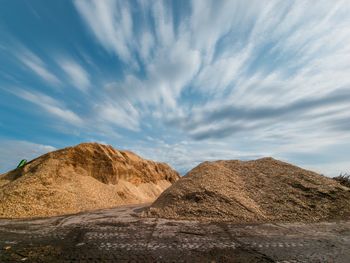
point(49, 104)
point(78, 77)
point(111, 23)
point(34, 63)
point(124, 115)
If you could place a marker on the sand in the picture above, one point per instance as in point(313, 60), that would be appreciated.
point(264, 190)
point(85, 177)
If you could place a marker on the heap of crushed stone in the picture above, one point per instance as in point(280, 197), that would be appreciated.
point(87, 176)
point(264, 190)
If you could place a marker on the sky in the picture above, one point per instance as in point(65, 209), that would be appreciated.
point(178, 81)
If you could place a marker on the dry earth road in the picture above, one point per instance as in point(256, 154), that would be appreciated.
point(120, 235)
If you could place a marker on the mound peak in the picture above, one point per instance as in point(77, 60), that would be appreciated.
point(86, 176)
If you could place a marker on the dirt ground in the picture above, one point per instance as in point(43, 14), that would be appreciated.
point(120, 235)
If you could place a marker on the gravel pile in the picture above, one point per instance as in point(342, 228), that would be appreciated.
point(87, 176)
point(264, 190)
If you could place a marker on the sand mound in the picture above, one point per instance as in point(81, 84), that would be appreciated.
point(87, 176)
point(253, 191)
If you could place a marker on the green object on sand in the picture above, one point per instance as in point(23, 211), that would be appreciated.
point(22, 163)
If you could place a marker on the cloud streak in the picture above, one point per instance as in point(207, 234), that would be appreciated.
point(49, 104)
point(34, 63)
point(111, 23)
point(76, 74)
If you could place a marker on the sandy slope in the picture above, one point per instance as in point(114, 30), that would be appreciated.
point(262, 190)
point(87, 176)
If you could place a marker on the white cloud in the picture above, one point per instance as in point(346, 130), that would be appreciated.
point(48, 104)
point(76, 74)
point(123, 115)
point(110, 22)
point(217, 76)
point(163, 23)
point(146, 44)
point(33, 62)
point(170, 70)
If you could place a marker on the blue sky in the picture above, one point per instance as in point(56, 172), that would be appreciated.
point(178, 81)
